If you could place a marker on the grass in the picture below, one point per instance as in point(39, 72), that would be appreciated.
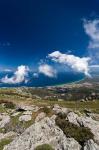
point(12, 95)
point(75, 105)
point(44, 147)
point(4, 142)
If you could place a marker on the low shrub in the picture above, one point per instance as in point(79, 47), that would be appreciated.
point(9, 105)
point(4, 142)
point(62, 115)
point(46, 110)
point(80, 134)
point(44, 147)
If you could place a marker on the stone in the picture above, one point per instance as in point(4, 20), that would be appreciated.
point(57, 109)
point(40, 116)
point(26, 108)
point(27, 113)
point(43, 132)
point(90, 145)
point(25, 118)
point(95, 116)
point(4, 119)
point(10, 134)
point(32, 108)
point(15, 114)
point(72, 117)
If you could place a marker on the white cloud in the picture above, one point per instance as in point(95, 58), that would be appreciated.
point(18, 77)
point(47, 70)
point(92, 30)
point(76, 63)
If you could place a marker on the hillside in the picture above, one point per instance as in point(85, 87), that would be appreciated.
point(49, 118)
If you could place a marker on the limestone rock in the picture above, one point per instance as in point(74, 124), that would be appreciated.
point(27, 113)
point(92, 125)
point(15, 114)
point(43, 132)
point(88, 122)
point(25, 118)
point(10, 134)
point(28, 108)
point(4, 119)
point(57, 109)
point(72, 117)
point(40, 116)
point(90, 145)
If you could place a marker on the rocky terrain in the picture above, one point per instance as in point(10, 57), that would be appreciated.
point(51, 127)
point(46, 119)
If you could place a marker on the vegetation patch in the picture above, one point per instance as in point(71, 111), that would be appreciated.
point(9, 105)
point(4, 142)
point(80, 134)
point(17, 126)
point(48, 111)
point(44, 147)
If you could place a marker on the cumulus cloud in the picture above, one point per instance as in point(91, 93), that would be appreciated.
point(47, 70)
point(76, 63)
point(19, 76)
point(92, 30)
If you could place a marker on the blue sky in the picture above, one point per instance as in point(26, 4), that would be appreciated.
point(30, 30)
point(35, 28)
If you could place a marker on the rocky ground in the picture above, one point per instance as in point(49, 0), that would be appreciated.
point(51, 127)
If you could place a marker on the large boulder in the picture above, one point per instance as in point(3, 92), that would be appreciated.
point(43, 132)
point(72, 117)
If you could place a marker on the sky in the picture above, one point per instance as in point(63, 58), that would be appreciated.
point(30, 31)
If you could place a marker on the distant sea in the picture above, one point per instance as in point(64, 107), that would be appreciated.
point(42, 80)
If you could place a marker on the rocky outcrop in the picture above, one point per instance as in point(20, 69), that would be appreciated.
point(32, 108)
point(88, 122)
point(72, 117)
point(43, 132)
point(90, 145)
point(92, 125)
point(40, 116)
point(57, 109)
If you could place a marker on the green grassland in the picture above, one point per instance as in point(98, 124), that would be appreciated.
point(24, 97)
